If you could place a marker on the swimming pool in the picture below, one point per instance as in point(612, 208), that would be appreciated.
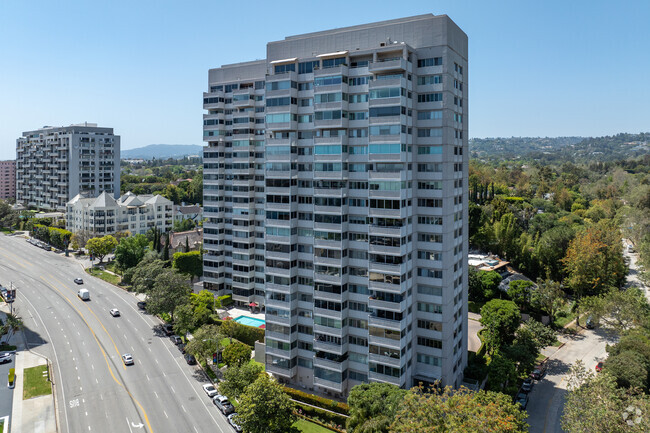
point(249, 321)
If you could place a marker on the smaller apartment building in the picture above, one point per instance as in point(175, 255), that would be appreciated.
point(8, 179)
point(105, 215)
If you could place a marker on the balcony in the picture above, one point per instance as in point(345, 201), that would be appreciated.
point(386, 305)
point(330, 365)
point(388, 65)
point(334, 386)
point(386, 360)
point(376, 377)
point(281, 371)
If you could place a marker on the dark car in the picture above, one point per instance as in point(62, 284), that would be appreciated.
point(527, 386)
point(79, 280)
point(190, 359)
point(599, 367)
point(538, 372)
point(142, 305)
point(168, 328)
point(176, 339)
point(591, 323)
point(522, 399)
point(181, 347)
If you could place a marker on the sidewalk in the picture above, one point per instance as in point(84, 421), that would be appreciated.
point(36, 415)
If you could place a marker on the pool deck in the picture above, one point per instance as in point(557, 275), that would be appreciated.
point(236, 312)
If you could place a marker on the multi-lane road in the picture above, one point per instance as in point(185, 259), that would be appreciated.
point(95, 391)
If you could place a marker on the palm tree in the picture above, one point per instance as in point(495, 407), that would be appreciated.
point(13, 323)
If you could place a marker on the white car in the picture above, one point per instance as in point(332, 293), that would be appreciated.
point(127, 358)
point(210, 390)
point(231, 421)
point(115, 312)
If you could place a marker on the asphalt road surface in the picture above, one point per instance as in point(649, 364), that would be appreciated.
point(95, 391)
point(6, 394)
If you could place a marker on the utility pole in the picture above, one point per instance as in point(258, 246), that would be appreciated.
point(13, 298)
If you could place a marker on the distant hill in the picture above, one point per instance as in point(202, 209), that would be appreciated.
point(561, 149)
point(162, 151)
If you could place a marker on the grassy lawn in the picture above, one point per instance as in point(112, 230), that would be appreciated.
point(309, 427)
point(109, 278)
point(2, 426)
point(35, 382)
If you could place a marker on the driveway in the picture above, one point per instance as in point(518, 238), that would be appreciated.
point(473, 326)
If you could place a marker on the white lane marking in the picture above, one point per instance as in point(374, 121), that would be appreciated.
point(156, 394)
point(117, 325)
point(172, 388)
point(147, 376)
point(183, 407)
point(96, 381)
point(125, 336)
point(86, 413)
point(92, 366)
point(165, 413)
point(194, 427)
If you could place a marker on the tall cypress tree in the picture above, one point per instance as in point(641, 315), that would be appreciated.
point(166, 249)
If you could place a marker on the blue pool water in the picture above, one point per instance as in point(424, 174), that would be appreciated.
point(249, 321)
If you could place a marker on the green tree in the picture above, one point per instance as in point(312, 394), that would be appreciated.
point(100, 247)
point(551, 248)
point(8, 216)
point(188, 263)
point(490, 282)
point(502, 372)
point(265, 408)
point(237, 378)
point(520, 293)
point(549, 297)
point(12, 324)
point(373, 407)
point(203, 304)
point(184, 319)
point(458, 411)
point(130, 251)
point(236, 353)
point(169, 291)
point(620, 310)
point(629, 368)
point(500, 320)
point(145, 274)
point(475, 288)
point(166, 248)
point(594, 404)
point(205, 342)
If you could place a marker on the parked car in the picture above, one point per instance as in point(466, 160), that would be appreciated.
point(127, 358)
point(538, 372)
point(527, 386)
point(231, 421)
point(522, 399)
point(142, 305)
point(210, 390)
point(79, 280)
point(181, 347)
point(223, 404)
point(599, 366)
point(591, 323)
point(5, 357)
point(190, 359)
point(115, 312)
point(168, 328)
point(176, 339)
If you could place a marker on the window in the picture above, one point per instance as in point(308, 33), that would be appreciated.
point(282, 69)
point(425, 359)
point(281, 117)
point(388, 92)
point(332, 63)
point(430, 79)
point(430, 97)
point(307, 67)
point(430, 115)
point(429, 308)
point(429, 342)
point(321, 98)
point(429, 150)
point(385, 148)
point(281, 85)
point(384, 130)
point(329, 81)
point(435, 61)
point(385, 111)
point(355, 99)
point(358, 81)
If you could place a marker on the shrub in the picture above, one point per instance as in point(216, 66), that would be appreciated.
point(315, 400)
point(225, 300)
point(330, 426)
point(320, 414)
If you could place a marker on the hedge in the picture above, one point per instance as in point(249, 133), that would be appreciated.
point(320, 414)
point(322, 424)
point(315, 400)
point(225, 300)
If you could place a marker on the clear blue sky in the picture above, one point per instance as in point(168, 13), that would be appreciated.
point(536, 68)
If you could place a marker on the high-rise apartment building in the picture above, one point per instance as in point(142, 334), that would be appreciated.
point(7, 179)
point(336, 196)
point(54, 164)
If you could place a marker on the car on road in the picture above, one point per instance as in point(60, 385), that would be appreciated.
point(233, 423)
point(142, 305)
point(168, 328)
point(127, 358)
point(79, 280)
point(599, 366)
point(522, 399)
point(210, 390)
point(527, 386)
point(84, 294)
point(115, 312)
point(538, 372)
point(190, 359)
point(222, 403)
point(176, 339)
point(5, 358)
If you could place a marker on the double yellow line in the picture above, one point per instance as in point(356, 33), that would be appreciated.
point(146, 418)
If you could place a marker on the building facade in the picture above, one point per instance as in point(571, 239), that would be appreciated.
point(336, 195)
point(104, 215)
point(8, 179)
point(54, 164)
